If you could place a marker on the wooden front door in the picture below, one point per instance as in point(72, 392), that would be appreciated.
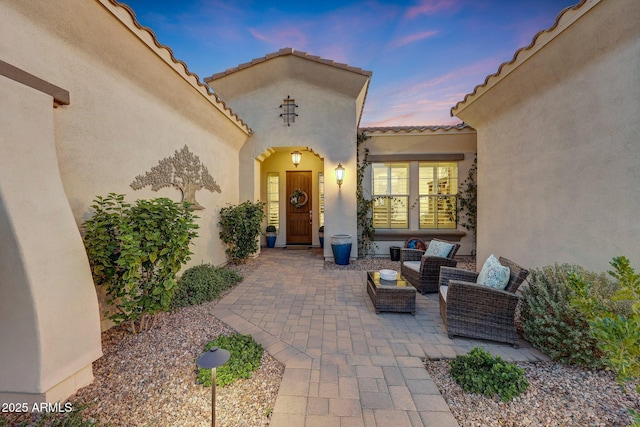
point(299, 214)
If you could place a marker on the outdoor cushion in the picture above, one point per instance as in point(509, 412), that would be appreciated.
point(413, 265)
point(443, 292)
point(494, 274)
point(437, 248)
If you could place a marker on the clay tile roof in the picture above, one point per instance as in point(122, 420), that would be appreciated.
point(284, 52)
point(520, 55)
point(182, 67)
point(417, 129)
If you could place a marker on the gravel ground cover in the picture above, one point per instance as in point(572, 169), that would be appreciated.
point(558, 395)
point(148, 379)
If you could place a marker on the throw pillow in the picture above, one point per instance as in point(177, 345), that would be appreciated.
point(437, 248)
point(494, 274)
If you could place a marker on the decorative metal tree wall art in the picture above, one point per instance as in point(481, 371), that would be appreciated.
point(182, 170)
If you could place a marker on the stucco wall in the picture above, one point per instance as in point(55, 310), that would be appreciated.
point(129, 108)
point(558, 151)
point(326, 124)
point(49, 323)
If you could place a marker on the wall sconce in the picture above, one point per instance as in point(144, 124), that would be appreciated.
point(339, 175)
point(296, 156)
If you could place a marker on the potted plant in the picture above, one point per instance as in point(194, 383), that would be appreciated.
point(321, 235)
point(271, 236)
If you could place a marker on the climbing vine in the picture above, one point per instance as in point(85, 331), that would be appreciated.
point(366, 230)
point(468, 201)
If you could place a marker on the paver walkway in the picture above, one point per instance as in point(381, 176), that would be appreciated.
point(345, 365)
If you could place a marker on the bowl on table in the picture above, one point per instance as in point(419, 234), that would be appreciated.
point(389, 275)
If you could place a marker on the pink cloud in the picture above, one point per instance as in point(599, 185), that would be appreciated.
point(430, 7)
point(412, 38)
point(281, 36)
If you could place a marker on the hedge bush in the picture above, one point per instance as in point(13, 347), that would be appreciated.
point(203, 283)
point(552, 324)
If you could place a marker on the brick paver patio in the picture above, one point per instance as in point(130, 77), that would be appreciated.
point(345, 365)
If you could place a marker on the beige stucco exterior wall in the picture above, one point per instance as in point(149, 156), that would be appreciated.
point(405, 145)
point(326, 124)
point(49, 323)
point(131, 106)
point(558, 146)
point(129, 110)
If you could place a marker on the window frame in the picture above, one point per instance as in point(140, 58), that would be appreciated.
point(389, 196)
point(449, 198)
point(273, 203)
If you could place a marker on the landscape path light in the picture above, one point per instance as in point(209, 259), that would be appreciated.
point(211, 360)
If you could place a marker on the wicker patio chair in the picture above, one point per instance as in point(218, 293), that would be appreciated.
point(477, 311)
point(423, 271)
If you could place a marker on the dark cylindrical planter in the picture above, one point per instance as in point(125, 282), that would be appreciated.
point(341, 247)
point(394, 253)
point(271, 240)
point(321, 241)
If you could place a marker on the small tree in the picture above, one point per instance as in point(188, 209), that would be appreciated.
point(136, 251)
point(241, 225)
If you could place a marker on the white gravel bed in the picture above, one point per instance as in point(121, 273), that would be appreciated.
point(558, 395)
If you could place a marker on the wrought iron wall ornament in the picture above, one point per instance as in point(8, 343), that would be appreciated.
point(289, 110)
point(184, 171)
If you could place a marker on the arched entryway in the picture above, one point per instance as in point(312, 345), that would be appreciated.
point(293, 194)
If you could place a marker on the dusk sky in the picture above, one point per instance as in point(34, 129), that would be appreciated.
point(425, 55)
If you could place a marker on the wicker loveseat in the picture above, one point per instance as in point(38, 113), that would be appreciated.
point(423, 271)
point(477, 311)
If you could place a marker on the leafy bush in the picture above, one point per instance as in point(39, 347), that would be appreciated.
point(203, 283)
point(479, 372)
point(549, 321)
point(614, 321)
point(136, 251)
point(240, 229)
point(246, 357)
point(271, 229)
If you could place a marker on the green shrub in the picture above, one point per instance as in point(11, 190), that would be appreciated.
point(136, 251)
point(549, 321)
point(240, 228)
point(271, 229)
point(479, 372)
point(246, 357)
point(614, 320)
point(203, 283)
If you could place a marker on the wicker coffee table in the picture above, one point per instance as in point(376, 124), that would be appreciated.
point(397, 296)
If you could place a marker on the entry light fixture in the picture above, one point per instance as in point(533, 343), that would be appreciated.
point(211, 360)
point(339, 175)
point(296, 156)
